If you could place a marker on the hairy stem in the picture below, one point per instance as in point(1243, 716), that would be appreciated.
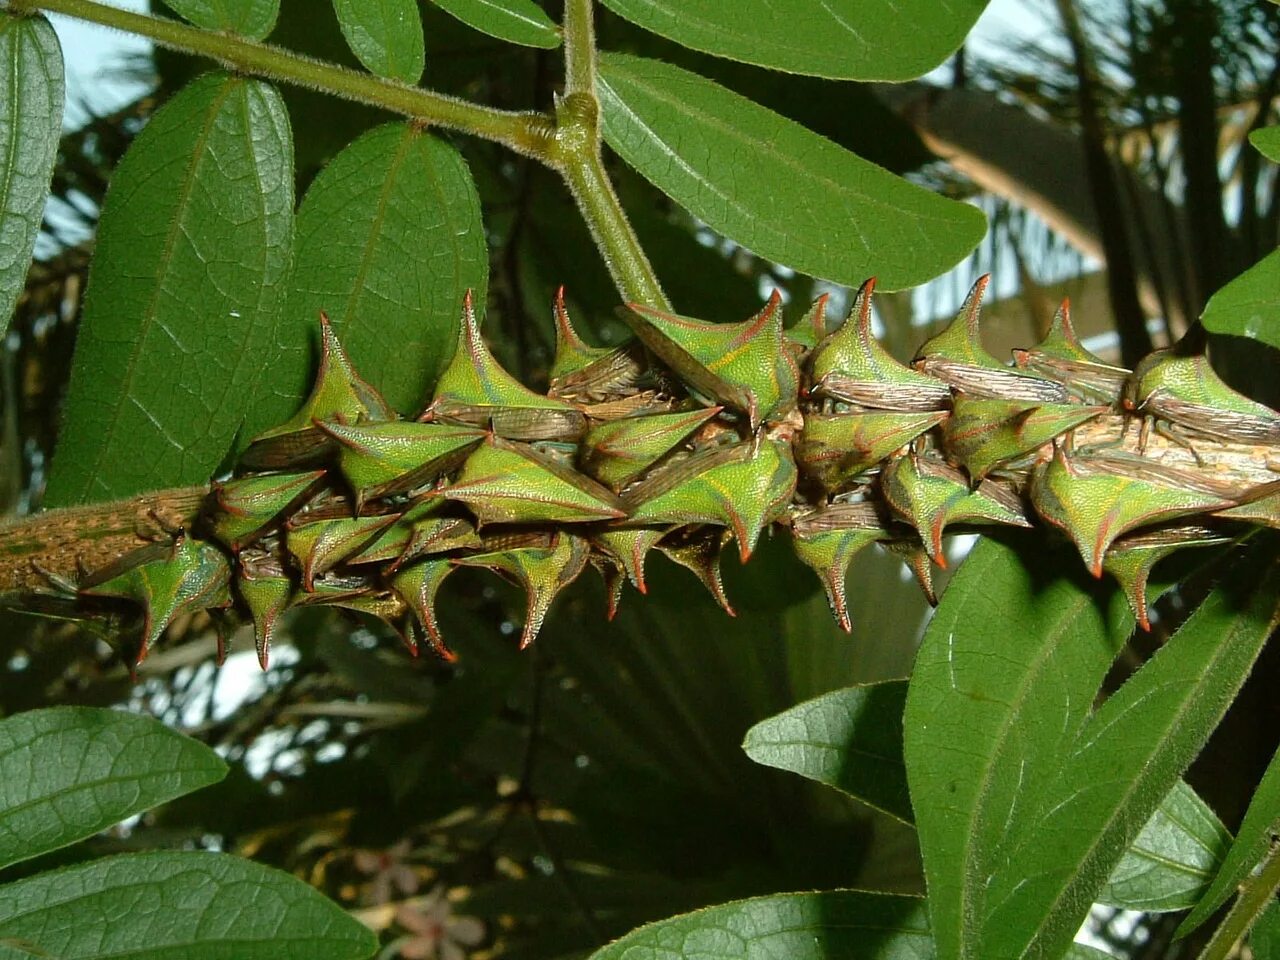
point(1255, 895)
point(525, 132)
point(577, 157)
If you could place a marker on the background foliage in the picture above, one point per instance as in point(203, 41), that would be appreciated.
point(596, 783)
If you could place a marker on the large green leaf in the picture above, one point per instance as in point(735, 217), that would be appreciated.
point(1249, 306)
point(31, 95)
point(843, 39)
point(249, 18)
point(179, 326)
point(1129, 755)
point(1247, 851)
point(1004, 680)
point(1171, 862)
point(177, 906)
point(1267, 142)
point(386, 35)
point(775, 187)
point(1264, 938)
point(844, 924)
point(850, 739)
point(516, 21)
point(68, 772)
point(389, 240)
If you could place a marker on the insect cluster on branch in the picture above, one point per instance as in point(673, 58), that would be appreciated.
point(697, 434)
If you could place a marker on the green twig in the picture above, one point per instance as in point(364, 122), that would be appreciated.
point(525, 132)
point(1255, 895)
point(576, 154)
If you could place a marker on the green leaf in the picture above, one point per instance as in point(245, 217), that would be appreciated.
point(1246, 852)
point(31, 96)
point(1081, 951)
point(67, 773)
point(516, 21)
point(775, 187)
point(1264, 938)
point(177, 906)
point(249, 18)
point(1130, 754)
point(1170, 864)
point(850, 739)
point(1267, 142)
point(386, 35)
point(841, 39)
point(1249, 306)
point(1004, 680)
point(848, 924)
point(389, 241)
point(184, 295)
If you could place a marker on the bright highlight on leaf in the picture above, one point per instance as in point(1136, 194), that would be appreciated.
point(31, 94)
point(773, 186)
point(516, 21)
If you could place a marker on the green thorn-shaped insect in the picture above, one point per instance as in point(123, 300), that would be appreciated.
point(475, 391)
point(1097, 499)
point(836, 448)
point(247, 506)
point(929, 494)
point(381, 459)
point(1260, 506)
point(982, 434)
point(423, 528)
point(418, 584)
point(745, 486)
point(587, 375)
point(1183, 389)
point(364, 596)
point(698, 549)
point(504, 482)
point(850, 366)
point(629, 546)
point(1061, 357)
point(744, 366)
point(957, 356)
point(614, 576)
point(829, 551)
point(267, 590)
point(320, 545)
point(338, 395)
point(615, 453)
point(542, 571)
point(166, 580)
point(1132, 558)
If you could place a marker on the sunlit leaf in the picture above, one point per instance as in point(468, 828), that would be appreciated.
point(389, 240)
point(1267, 142)
point(31, 96)
point(850, 739)
point(1127, 757)
point(516, 21)
point(842, 39)
point(179, 324)
point(1246, 852)
point(1170, 863)
point(1003, 682)
point(68, 772)
point(386, 35)
point(775, 187)
point(166, 906)
point(847, 924)
point(1249, 306)
point(249, 18)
